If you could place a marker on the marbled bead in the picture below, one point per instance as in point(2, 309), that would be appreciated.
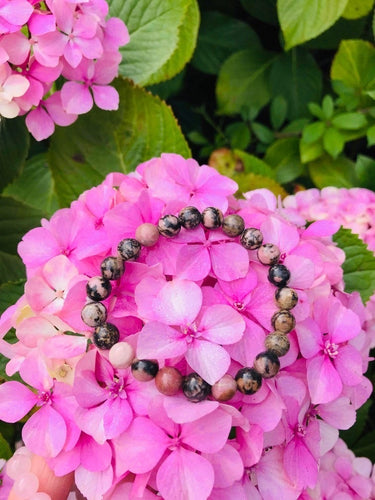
point(190, 217)
point(286, 298)
point(267, 364)
point(129, 248)
point(144, 370)
point(283, 321)
point(233, 225)
point(278, 343)
point(195, 388)
point(212, 218)
point(249, 381)
point(94, 314)
point(251, 238)
point(112, 268)
point(169, 226)
point(105, 336)
point(98, 288)
point(268, 254)
point(224, 389)
point(168, 381)
point(278, 275)
point(147, 234)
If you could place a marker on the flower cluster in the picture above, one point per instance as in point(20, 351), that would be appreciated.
point(197, 302)
point(41, 41)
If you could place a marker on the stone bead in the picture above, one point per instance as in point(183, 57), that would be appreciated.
point(278, 275)
point(267, 364)
point(121, 355)
point(105, 336)
point(168, 381)
point(98, 288)
point(251, 238)
point(129, 248)
point(94, 314)
point(169, 226)
point(286, 298)
point(144, 370)
point(269, 254)
point(249, 381)
point(283, 321)
point(278, 343)
point(147, 234)
point(233, 225)
point(212, 218)
point(224, 389)
point(195, 388)
point(112, 268)
point(190, 217)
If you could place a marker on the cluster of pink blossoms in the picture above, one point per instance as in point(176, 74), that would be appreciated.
point(43, 40)
point(199, 302)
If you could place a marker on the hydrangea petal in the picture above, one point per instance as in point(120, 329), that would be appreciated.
point(210, 361)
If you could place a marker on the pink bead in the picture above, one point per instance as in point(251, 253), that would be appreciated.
point(40, 496)
point(18, 465)
point(121, 355)
point(26, 485)
point(224, 389)
point(147, 234)
point(168, 381)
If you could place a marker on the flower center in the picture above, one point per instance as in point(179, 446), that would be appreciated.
point(300, 430)
point(44, 398)
point(190, 332)
point(116, 388)
point(240, 306)
point(331, 349)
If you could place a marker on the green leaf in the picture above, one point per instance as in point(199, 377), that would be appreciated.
point(310, 152)
point(10, 293)
point(354, 65)
point(11, 268)
point(14, 146)
point(101, 142)
point(313, 132)
point(296, 76)
point(264, 10)
point(358, 8)
point(283, 155)
point(329, 172)
point(158, 31)
point(239, 135)
point(278, 111)
point(168, 89)
point(300, 20)
point(366, 446)
point(243, 81)
point(359, 265)
point(365, 171)
point(219, 37)
point(371, 136)
point(5, 450)
point(263, 133)
point(250, 181)
point(349, 121)
point(327, 107)
point(343, 29)
point(333, 142)
point(252, 164)
point(35, 186)
point(316, 110)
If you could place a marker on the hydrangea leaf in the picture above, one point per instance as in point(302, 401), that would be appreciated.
point(35, 186)
point(102, 142)
point(264, 10)
point(296, 76)
point(359, 265)
point(243, 81)
point(301, 21)
point(219, 37)
point(233, 163)
point(14, 140)
point(5, 450)
point(358, 8)
point(338, 172)
point(250, 181)
point(158, 30)
point(9, 293)
point(366, 446)
point(283, 155)
point(11, 268)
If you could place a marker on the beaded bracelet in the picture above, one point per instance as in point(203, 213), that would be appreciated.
point(169, 380)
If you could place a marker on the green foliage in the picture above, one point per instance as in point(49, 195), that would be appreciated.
point(359, 265)
point(14, 145)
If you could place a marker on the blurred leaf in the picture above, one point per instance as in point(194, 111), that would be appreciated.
point(252, 164)
point(313, 132)
point(11, 268)
point(365, 171)
point(342, 29)
point(14, 146)
point(219, 37)
point(296, 76)
point(278, 111)
point(301, 20)
point(371, 136)
point(333, 142)
point(316, 110)
point(349, 121)
point(10, 293)
point(239, 135)
point(101, 142)
point(5, 450)
point(168, 89)
point(295, 127)
point(283, 155)
point(354, 65)
point(359, 265)
point(310, 152)
point(264, 11)
point(263, 133)
point(327, 107)
point(243, 81)
point(197, 138)
point(366, 446)
point(162, 37)
point(357, 8)
point(35, 186)
point(250, 181)
point(329, 172)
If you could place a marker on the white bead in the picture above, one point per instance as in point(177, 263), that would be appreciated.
point(121, 355)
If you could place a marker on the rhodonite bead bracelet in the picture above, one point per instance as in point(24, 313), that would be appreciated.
point(168, 380)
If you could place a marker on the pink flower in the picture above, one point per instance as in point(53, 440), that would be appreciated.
point(13, 14)
point(11, 85)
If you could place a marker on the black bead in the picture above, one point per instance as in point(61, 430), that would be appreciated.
point(190, 217)
point(98, 288)
point(195, 388)
point(233, 225)
point(212, 218)
point(249, 381)
point(112, 268)
point(279, 275)
point(106, 336)
point(169, 226)
point(129, 248)
point(267, 364)
point(144, 369)
point(251, 238)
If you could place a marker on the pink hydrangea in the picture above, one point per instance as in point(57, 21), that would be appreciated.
point(198, 302)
